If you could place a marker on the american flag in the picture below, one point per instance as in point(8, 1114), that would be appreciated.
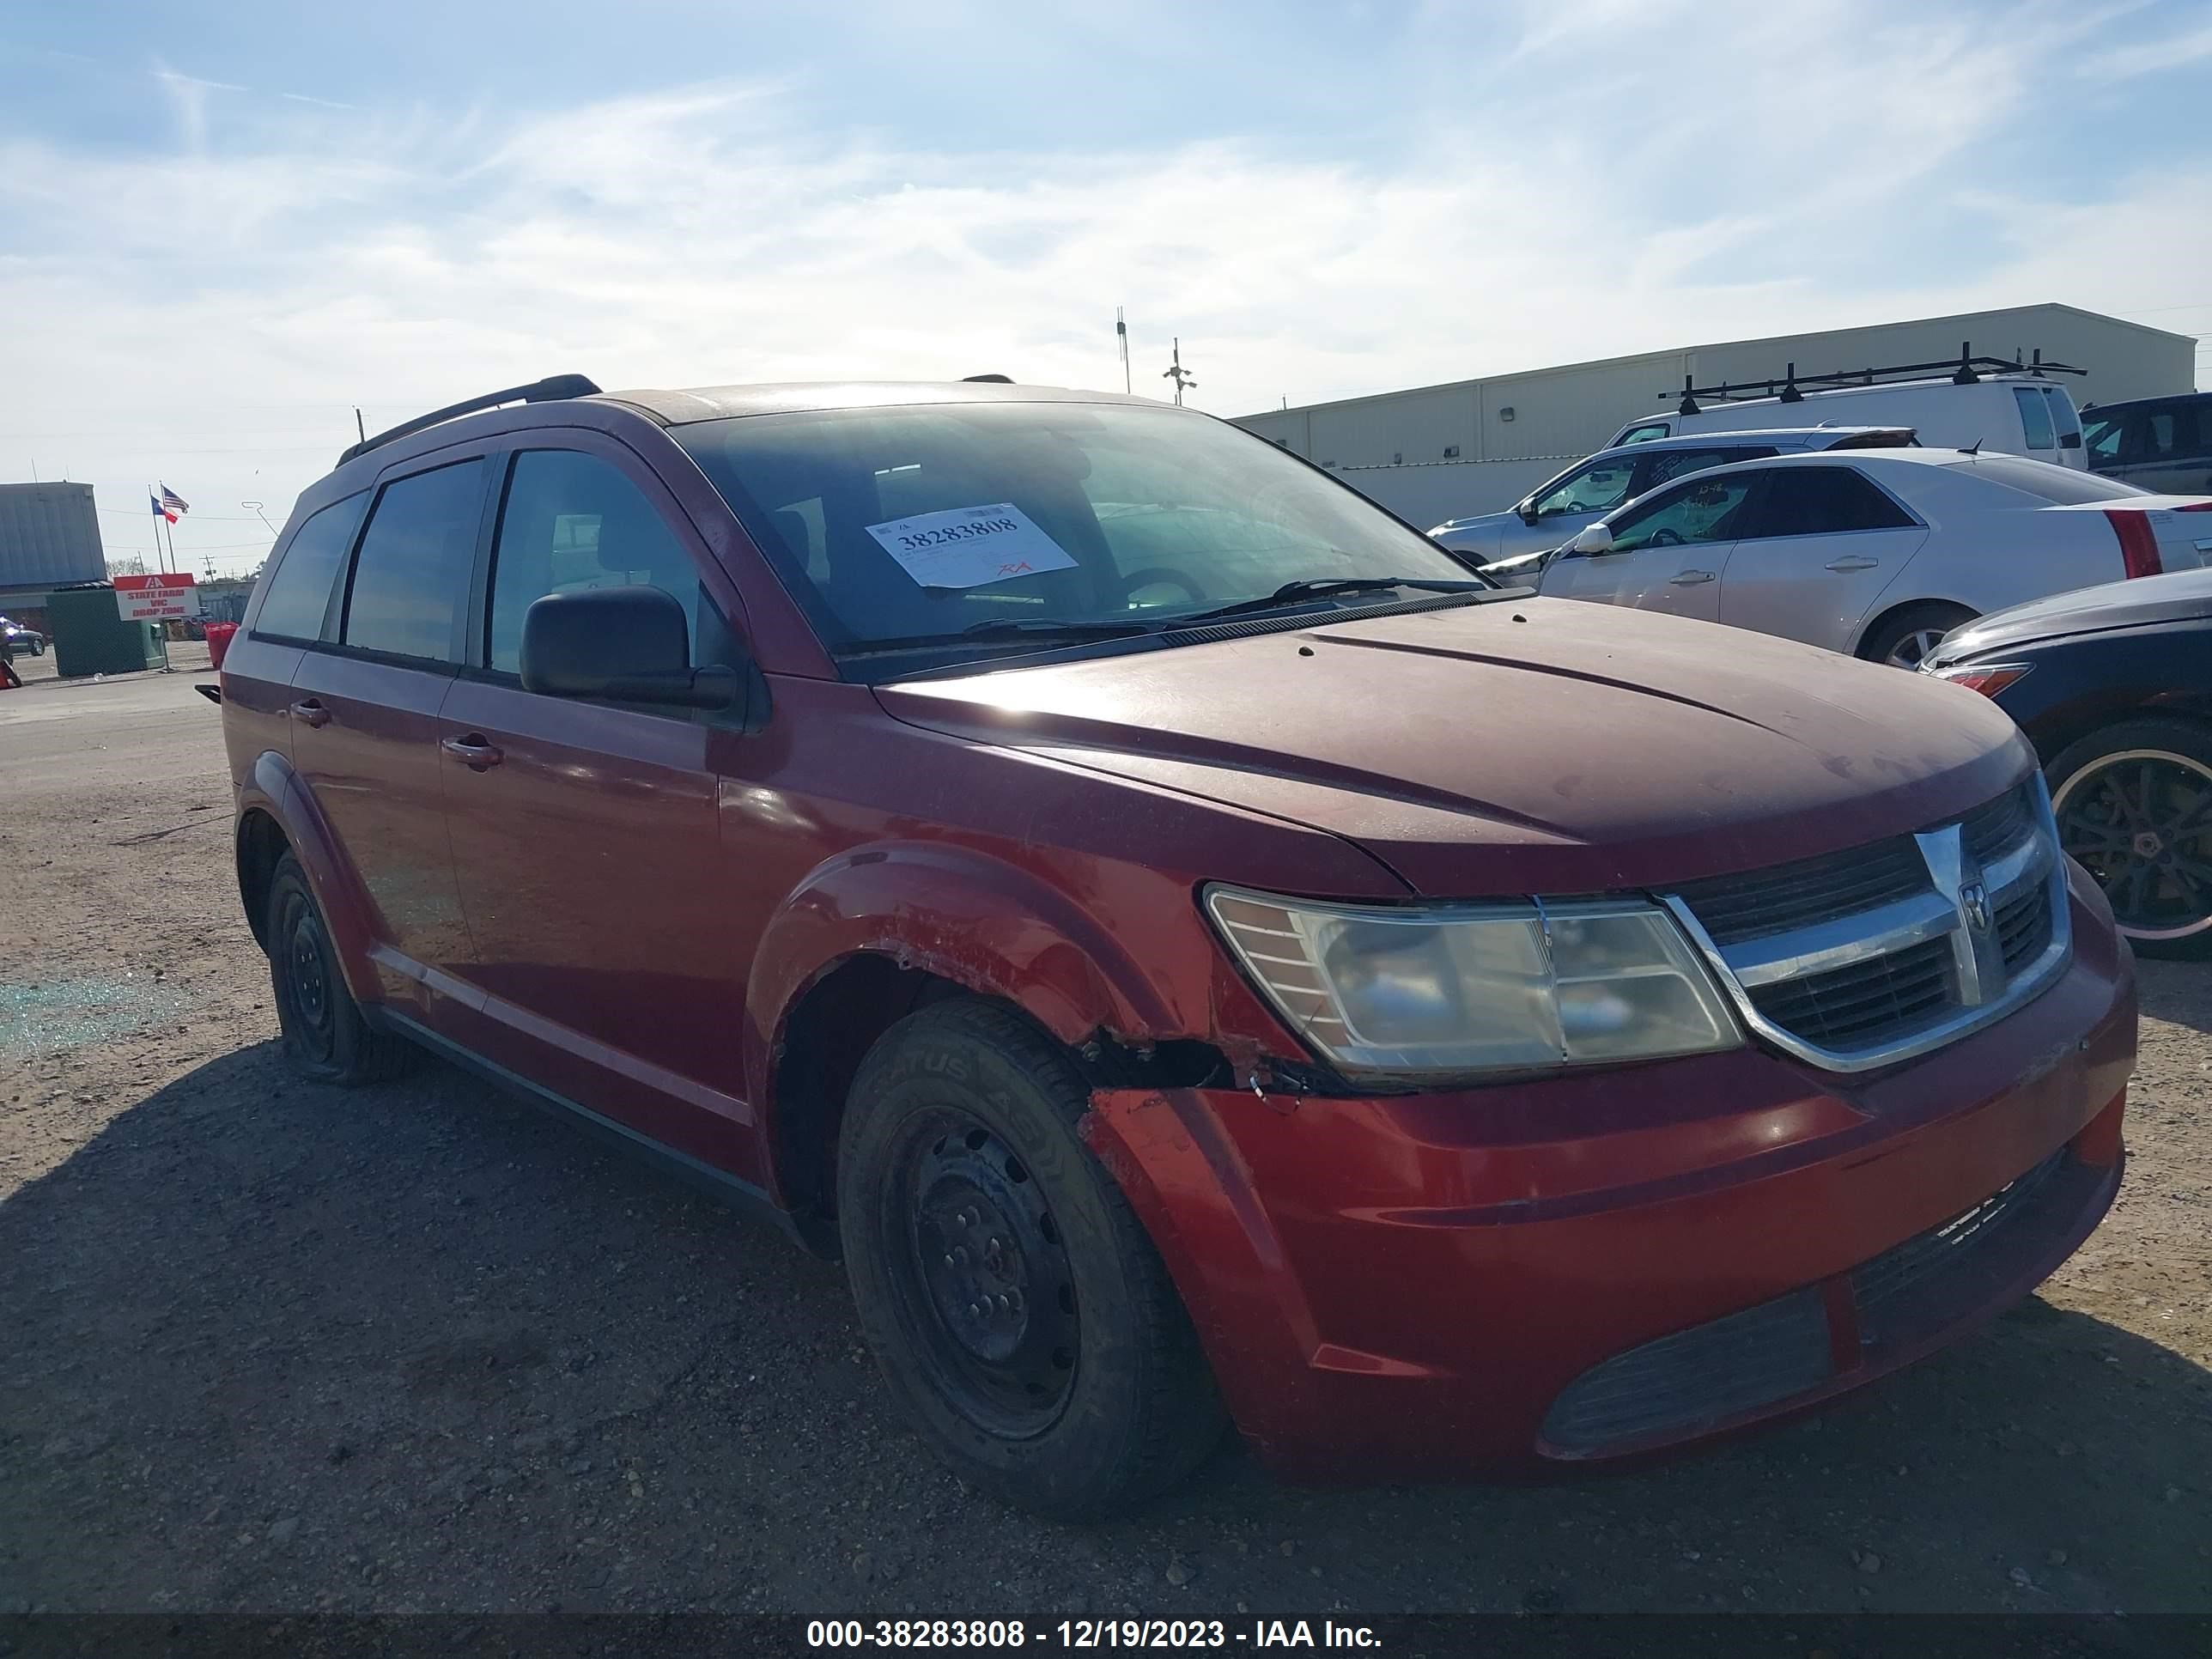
point(172, 503)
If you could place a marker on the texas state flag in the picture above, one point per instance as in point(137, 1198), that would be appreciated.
point(160, 511)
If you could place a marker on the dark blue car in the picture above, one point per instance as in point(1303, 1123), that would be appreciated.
point(2114, 686)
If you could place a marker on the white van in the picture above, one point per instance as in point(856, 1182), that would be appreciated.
point(1999, 405)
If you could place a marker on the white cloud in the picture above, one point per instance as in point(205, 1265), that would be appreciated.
point(301, 262)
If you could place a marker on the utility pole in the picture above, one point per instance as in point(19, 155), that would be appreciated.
point(1182, 377)
point(1122, 332)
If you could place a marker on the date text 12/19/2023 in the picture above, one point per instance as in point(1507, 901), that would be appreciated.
point(989, 1635)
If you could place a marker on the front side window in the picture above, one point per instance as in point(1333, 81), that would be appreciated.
point(911, 528)
point(410, 579)
point(1642, 434)
point(300, 587)
point(1825, 500)
point(2034, 417)
point(571, 522)
point(1597, 487)
point(1704, 510)
point(2105, 434)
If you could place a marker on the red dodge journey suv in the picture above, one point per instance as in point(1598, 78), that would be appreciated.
point(1197, 952)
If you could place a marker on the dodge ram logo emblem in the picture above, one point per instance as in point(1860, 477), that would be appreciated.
point(1974, 907)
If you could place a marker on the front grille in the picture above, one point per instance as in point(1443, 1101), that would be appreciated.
point(1937, 1274)
point(1917, 972)
point(1735, 908)
point(1747, 1363)
point(1993, 831)
point(1847, 1006)
point(2024, 927)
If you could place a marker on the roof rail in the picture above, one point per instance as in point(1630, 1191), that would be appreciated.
point(1965, 369)
point(548, 390)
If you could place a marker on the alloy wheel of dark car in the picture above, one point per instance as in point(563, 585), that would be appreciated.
point(2140, 821)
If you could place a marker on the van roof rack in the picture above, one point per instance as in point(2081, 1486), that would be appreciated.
point(548, 390)
point(1965, 369)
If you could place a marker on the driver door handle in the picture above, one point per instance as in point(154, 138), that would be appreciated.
point(472, 752)
point(1690, 577)
point(1856, 562)
point(308, 712)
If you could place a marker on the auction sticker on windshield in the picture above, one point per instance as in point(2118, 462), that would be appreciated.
point(970, 546)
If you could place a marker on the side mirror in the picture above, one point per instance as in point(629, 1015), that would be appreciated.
point(624, 644)
point(1591, 538)
point(1527, 512)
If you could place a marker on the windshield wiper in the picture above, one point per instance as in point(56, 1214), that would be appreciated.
point(1070, 628)
point(1290, 592)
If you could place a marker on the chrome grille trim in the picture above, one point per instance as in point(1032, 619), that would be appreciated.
point(2019, 839)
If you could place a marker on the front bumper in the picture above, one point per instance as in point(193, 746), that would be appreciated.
point(1600, 1266)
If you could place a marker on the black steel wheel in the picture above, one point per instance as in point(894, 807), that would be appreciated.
point(1012, 1299)
point(985, 1281)
point(2134, 804)
point(325, 1036)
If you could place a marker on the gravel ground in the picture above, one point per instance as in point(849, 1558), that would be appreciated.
point(272, 1346)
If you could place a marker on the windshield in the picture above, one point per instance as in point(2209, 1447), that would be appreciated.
point(909, 529)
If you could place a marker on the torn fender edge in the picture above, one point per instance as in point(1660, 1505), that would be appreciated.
point(1171, 1153)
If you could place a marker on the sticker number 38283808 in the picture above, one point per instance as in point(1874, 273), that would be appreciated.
point(970, 546)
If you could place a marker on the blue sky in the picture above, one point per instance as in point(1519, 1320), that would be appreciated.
point(222, 226)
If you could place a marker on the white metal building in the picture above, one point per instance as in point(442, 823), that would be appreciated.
point(1437, 452)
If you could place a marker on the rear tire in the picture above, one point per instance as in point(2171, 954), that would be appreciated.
point(1903, 637)
point(1014, 1302)
point(326, 1038)
point(2134, 804)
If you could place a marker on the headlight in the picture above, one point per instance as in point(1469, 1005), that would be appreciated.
point(1471, 988)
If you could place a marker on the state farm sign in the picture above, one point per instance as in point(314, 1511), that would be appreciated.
point(156, 598)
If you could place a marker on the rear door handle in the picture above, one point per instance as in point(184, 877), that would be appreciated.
point(1856, 562)
point(308, 712)
point(472, 752)
point(1690, 577)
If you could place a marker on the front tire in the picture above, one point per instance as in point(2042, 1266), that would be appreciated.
point(1901, 640)
point(326, 1038)
point(1012, 1299)
point(2134, 804)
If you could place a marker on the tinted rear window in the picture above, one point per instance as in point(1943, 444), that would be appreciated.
point(2034, 417)
point(2060, 485)
point(1824, 501)
point(411, 578)
point(300, 588)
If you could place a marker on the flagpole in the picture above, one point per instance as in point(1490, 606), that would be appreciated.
point(151, 497)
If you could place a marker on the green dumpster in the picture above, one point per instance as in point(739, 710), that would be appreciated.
point(90, 638)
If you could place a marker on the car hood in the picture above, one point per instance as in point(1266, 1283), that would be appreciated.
point(1522, 746)
point(2180, 596)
